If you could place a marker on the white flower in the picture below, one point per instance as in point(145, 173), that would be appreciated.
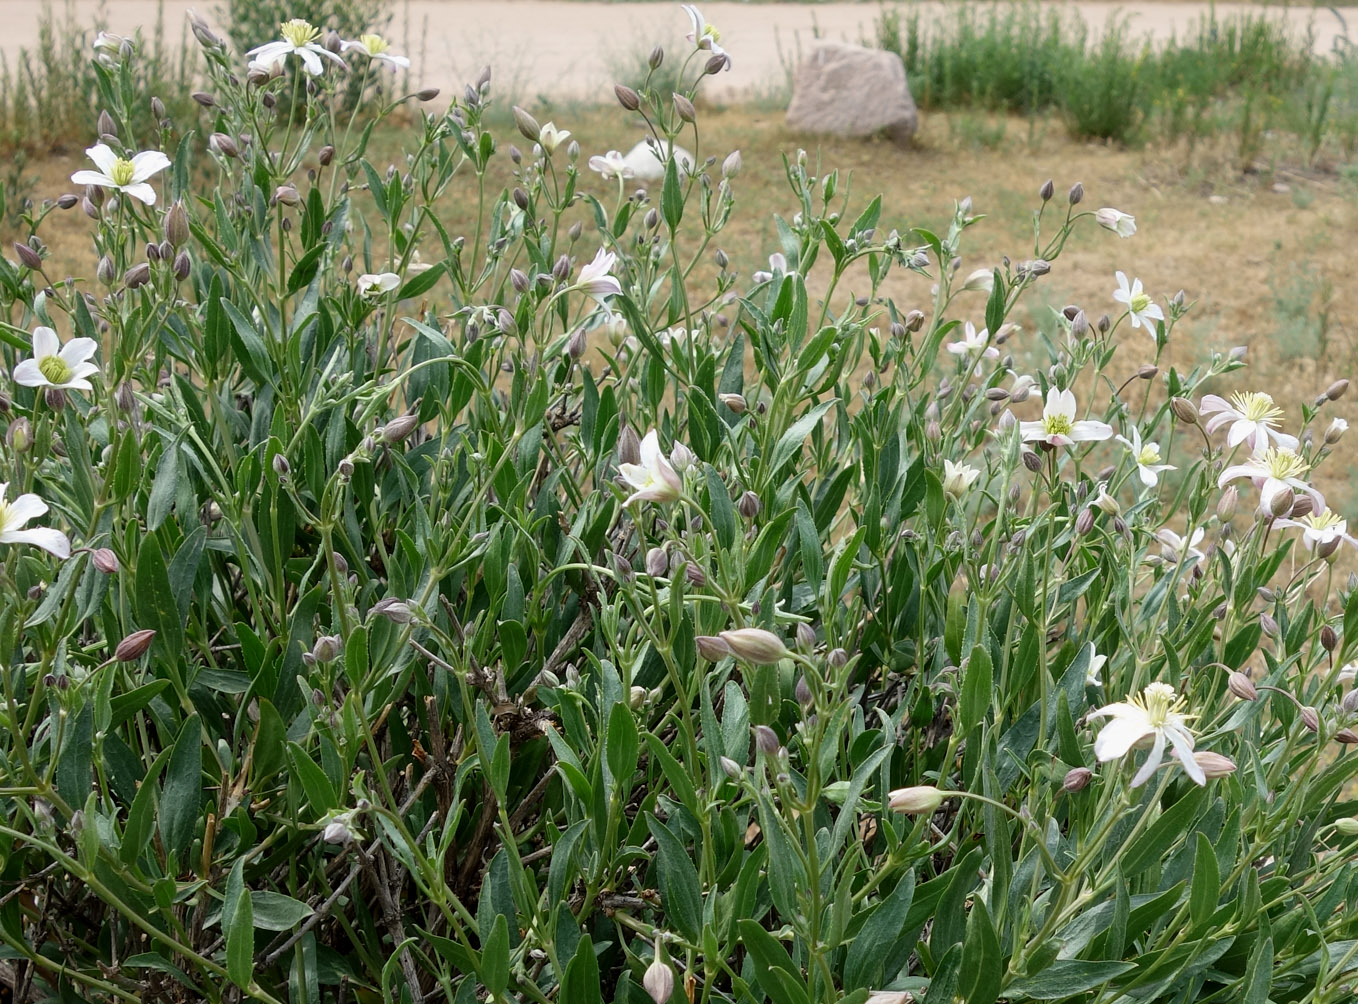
point(595, 278)
point(777, 267)
point(1180, 549)
point(1147, 458)
point(1155, 718)
point(1336, 431)
point(1120, 223)
point(1058, 426)
point(1096, 662)
point(974, 343)
point(374, 47)
point(654, 479)
point(121, 174)
point(1319, 529)
point(610, 165)
point(1273, 471)
point(703, 35)
point(957, 478)
point(1021, 387)
point(550, 137)
point(1140, 307)
point(13, 516)
point(56, 365)
point(300, 40)
point(982, 279)
point(1106, 502)
point(1252, 417)
point(370, 285)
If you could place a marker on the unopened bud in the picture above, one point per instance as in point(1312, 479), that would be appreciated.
point(1047, 190)
point(656, 57)
point(659, 979)
point(1084, 523)
point(104, 560)
point(765, 740)
point(1076, 194)
point(176, 224)
point(656, 562)
point(914, 320)
point(527, 125)
point(683, 107)
point(711, 647)
point(1148, 371)
point(281, 467)
point(1281, 502)
point(736, 402)
point(575, 344)
point(27, 256)
point(629, 447)
point(1347, 827)
point(755, 645)
point(327, 648)
point(19, 435)
point(1242, 686)
point(1329, 640)
point(204, 98)
point(915, 800)
point(1336, 390)
point(627, 97)
point(137, 276)
point(399, 428)
point(749, 505)
point(1268, 624)
point(426, 94)
point(134, 646)
point(394, 610)
point(1230, 501)
point(1214, 765)
point(1078, 778)
point(730, 167)
point(1310, 718)
point(1032, 461)
point(837, 658)
point(182, 265)
point(287, 195)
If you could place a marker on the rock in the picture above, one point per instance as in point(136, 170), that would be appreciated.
point(648, 163)
point(849, 90)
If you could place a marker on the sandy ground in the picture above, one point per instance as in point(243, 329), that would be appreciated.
point(568, 51)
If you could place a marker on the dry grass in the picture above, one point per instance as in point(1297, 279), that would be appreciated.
point(1263, 265)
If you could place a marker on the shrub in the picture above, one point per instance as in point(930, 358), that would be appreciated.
point(548, 611)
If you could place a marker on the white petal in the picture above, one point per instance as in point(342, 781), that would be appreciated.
point(77, 350)
point(1119, 736)
point(148, 163)
point(27, 374)
point(142, 191)
point(104, 158)
point(1242, 430)
point(1087, 431)
point(44, 537)
point(1153, 759)
point(1182, 741)
point(45, 342)
point(1284, 440)
point(270, 52)
point(23, 509)
point(310, 61)
point(93, 178)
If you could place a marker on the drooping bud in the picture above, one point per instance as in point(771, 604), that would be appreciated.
point(1214, 765)
point(736, 402)
point(399, 428)
point(711, 647)
point(1242, 686)
point(137, 276)
point(627, 97)
point(1346, 736)
point(1336, 390)
point(1347, 826)
point(104, 560)
point(1329, 640)
point(134, 646)
point(915, 800)
point(1078, 778)
point(659, 979)
point(287, 195)
point(426, 94)
point(756, 645)
point(394, 610)
point(1310, 718)
point(29, 258)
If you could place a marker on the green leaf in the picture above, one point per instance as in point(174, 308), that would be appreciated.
point(1206, 887)
point(1258, 973)
point(623, 744)
point(863, 966)
point(75, 763)
point(777, 975)
point(977, 690)
point(240, 943)
point(183, 796)
point(157, 605)
point(316, 786)
point(671, 195)
point(679, 890)
point(495, 958)
point(421, 282)
point(795, 437)
point(1066, 978)
point(277, 912)
point(719, 507)
point(981, 949)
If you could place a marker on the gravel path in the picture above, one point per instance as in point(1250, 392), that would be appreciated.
point(572, 51)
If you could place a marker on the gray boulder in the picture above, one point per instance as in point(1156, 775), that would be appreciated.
point(848, 90)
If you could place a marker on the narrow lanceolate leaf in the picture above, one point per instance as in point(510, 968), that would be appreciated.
point(1206, 886)
point(240, 943)
point(183, 796)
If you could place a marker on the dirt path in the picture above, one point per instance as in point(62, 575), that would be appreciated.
point(573, 51)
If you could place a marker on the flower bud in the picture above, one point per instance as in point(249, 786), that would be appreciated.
point(1076, 194)
point(1281, 502)
point(765, 740)
point(1084, 523)
point(220, 142)
point(802, 692)
point(736, 402)
point(914, 320)
point(527, 125)
point(575, 344)
point(19, 435)
point(629, 447)
point(730, 167)
point(717, 63)
point(756, 645)
point(683, 107)
point(1226, 507)
point(1336, 431)
point(749, 505)
point(29, 258)
point(1184, 410)
point(182, 265)
point(711, 647)
point(561, 268)
point(67, 201)
point(1214, 765)
point(1242, 686)
point(1347, 827)
point(1346, 736)
point(1047, 190)
point(176, 224)
point(399, 428)
point(627, 97)
point(915, 800)
point(104, 560)
point(327, 648)
point(394, 610)
point(1310, 718)
point(656, 57)
point(730, 768)
point(426, 94)
point(287, 195)
point(656, 562)
point(1032, 461)
point(137, 276)
point(659, 980)
point(281, 467)
point(134, 646)
point(837, 658)
point(1078, 778)
point(1268, 625)
point(1336, 390)
point(1328, 639)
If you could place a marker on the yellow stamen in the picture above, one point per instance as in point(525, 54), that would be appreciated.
point(1149, 455)
point(122, 172)
point(1139, 303)
point(1282, 463)
point(1057, 425)
point(373, 44)
point(1257, 406)
point(55, 369)
point(298, 32)
point(1159, 702)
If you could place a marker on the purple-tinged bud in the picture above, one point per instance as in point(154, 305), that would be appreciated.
point(1269, 625)
point(204, 98)
point(1032, 461)
point(656, 562)
point(629, 447)
point(287, 195)
point(1184, 410)
point(134, 646)
point(730, 167)
point(683, 107)
point(280, 464)
point(1242, 686)
point(1282, 501)
point(765, 740)
point(1084, 523)
point(427, 94)
point(627, 97)
point(327, 648)
point(518, 278)
point(736, 402)
point(755, 645)
point(695, 575)
point(1329, 640)
point(1310, 718)
point(1076, 194)
point(526, 124)
point(182, 264)
point(717, 63)
point(394, 610)
point(749, 505)
point(1346, 736)
point(806, 636)
point(575, 344)
point(137, 276)
point(1226, 507)
point(1047, 190)
point(1078, 778)
point(711, 647)
point(1336, 390)
point(399, 428)
point(67, 201)
point(658, 980)
point(914, 320)
point(837, 658)
point(28, 257)
point(802, 692)
point(104, 560)
point(1214, 765)
point(176, 224)
point(1148, 371)
point(561, 268)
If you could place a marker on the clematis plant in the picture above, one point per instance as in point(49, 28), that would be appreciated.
point(130, 176)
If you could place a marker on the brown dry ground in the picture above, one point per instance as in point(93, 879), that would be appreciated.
point(1265, 265)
